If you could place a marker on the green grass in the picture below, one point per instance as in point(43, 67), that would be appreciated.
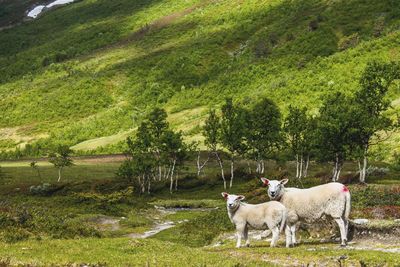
point(124, 252)
point(102, 67)
point(113, 252)
point(63, 227)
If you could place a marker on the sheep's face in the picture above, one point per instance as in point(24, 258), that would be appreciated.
point(232, 201)
point(275, 187)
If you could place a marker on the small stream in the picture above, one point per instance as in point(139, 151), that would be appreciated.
point(164, 225)
point(36, 11)
point(158, 226)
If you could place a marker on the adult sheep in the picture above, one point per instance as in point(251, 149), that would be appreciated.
point(270, 215)
point(332, 199)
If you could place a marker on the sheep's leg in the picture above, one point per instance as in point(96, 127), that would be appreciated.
point(342, 228)
point(275, 236)
point(293, 233)
point(239, 234)
point(346, 228)
point(246, 236)
point(288, 234)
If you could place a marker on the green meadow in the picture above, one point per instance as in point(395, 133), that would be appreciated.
point(94, 218)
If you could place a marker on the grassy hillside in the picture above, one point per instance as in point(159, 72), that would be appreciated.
point(89, 70)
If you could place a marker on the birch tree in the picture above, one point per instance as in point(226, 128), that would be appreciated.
point(298, 129)
point(211, 132)
point(371, 103)
point(61, 159)
point(334, 132)
point(233, 129)
point(263, 131)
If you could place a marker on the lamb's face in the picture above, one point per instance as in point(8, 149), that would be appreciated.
point(275, 187)
point(232, 201)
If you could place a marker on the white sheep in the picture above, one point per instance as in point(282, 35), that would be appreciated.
point(332, 199)
point(270, 215)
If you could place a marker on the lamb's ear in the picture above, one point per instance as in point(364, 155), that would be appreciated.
point(240, 197)
point(265, 181)
point(225, 195)
point(284, 181)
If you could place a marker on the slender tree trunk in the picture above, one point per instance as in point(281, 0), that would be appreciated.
point(139, 183)
point(168, 172)
point(297, 166)
point(363, 169)
point(176, 181)
point(248, 166)
point(148, 185)
point(301, 166)
point(172, 176)
point(232, 172)
point(262, 167)
point(338, 173)
point(143, 183)
point(337, 169)
point(201, 166)
point(59, 174)
point(306, 167)
point(258, 166)
point(221, 167)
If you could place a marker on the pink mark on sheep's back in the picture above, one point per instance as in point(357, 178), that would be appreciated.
point(345, 189)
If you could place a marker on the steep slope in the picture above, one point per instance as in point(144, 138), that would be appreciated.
point(90, 69)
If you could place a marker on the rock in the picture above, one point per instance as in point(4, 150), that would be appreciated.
point(361, 221)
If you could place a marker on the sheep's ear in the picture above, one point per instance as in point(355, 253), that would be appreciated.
point(225, 195)
point(265, 181)
point(284, 181)
point(240, 197)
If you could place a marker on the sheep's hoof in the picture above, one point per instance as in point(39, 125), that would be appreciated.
point(343, 245)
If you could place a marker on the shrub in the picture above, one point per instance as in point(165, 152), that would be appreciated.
point(348, 42)
point(14, 234)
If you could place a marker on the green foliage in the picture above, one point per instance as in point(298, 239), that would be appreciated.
point(334, 131)
point(233, 127)
point(263, 133)
point(211, 130)
point(156, 151)
point(61, 158)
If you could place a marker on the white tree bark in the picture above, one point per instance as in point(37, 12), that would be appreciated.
point(232, 172)
point(172, 176)
point(363, 169)
point(306, 167)
point(301, 166)
point(262, 167)
point(59, 174)
point(297, 166)
point(221, 167)
point(201, 166)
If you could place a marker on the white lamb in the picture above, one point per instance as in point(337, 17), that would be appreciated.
point(332, 199)
point(270, 215)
